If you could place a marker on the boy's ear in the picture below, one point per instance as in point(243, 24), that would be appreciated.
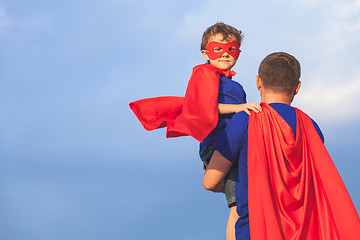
point(204, 52)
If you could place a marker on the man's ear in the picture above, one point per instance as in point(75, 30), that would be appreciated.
point(296, 90)
point(258, 82)
point(204, 52)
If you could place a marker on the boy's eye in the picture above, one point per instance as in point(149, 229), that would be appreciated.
point(217, 49)
point(232, 49)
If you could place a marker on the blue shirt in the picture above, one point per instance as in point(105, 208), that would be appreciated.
point(230, 92)
point(233, 145)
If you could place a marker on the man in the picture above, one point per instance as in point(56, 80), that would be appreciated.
point(287, 186)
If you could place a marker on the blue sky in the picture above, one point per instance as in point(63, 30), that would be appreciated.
point(75, 162)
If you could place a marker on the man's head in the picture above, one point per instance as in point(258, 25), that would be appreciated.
point(220, 45)
point(280, 73)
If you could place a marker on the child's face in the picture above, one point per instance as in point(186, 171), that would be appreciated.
point(225, 61)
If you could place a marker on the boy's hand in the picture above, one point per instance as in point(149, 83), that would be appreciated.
point(235, 108)
point(248, 106)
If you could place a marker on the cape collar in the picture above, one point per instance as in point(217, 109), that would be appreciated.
point(226, 73)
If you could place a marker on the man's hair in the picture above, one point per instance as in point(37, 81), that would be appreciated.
point(227, 32)
point(280, 72)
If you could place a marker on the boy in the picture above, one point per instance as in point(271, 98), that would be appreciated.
point(211, 99)
point(287, 186)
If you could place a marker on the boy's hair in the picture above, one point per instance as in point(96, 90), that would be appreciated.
point(226, 30)
point(280, 72)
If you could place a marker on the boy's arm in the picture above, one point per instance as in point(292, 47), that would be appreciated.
point(215, 172)
point(234, 108)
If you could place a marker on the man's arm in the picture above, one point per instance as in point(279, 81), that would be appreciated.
point(215, 172)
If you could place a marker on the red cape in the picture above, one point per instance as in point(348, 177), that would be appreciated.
point(295, 191)
point(196, 114)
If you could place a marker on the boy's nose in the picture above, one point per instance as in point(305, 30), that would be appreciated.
point(226, 54)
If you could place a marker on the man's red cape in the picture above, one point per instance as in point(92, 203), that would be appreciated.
point(196, 114)
point(295, 191)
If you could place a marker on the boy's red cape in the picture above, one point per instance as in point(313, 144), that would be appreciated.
point(196, 114)
point(295, 191)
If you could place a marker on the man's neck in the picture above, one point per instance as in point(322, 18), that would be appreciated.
point(271, 97)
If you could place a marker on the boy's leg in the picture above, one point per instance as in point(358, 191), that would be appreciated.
point(230, 228)
point(229, 187)
point(231, 201)
point(205, 155)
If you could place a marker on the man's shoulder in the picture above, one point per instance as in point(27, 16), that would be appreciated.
point(317, 128)
point(239, 120)
point(240, 116)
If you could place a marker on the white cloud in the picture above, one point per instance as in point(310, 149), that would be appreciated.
point(331, 80)
point(342, 6)
point(27, 24)
point(332, 99)
point(341, 25)
point(5, 21)
point(196, 21)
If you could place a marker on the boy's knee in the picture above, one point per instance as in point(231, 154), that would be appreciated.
point(207, 185)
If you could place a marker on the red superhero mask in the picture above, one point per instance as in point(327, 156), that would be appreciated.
point(216, 49)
